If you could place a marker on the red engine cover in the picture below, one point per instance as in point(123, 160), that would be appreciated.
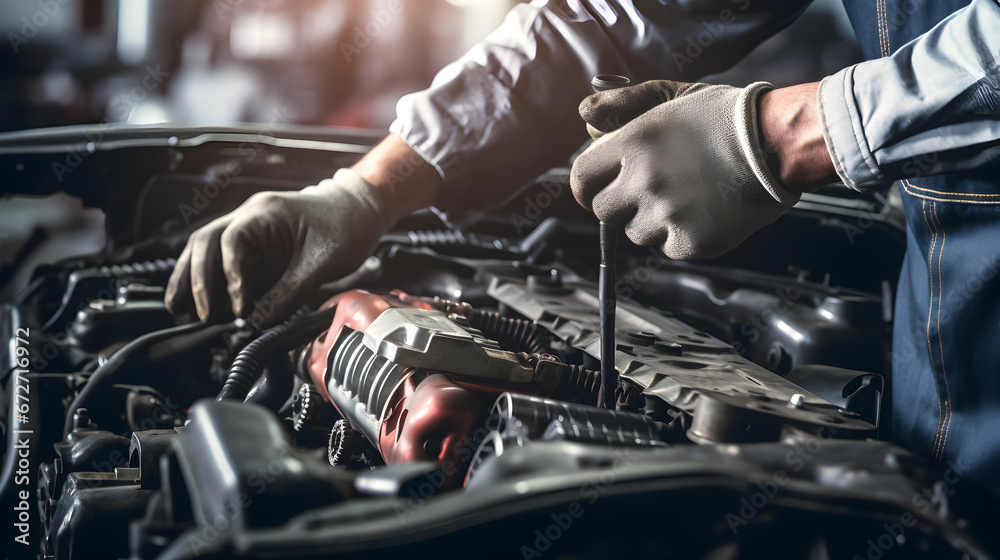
point(433, 420)
point(355, 309)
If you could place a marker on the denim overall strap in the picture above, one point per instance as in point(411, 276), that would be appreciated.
point(946, 340)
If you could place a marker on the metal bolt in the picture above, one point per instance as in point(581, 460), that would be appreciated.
point(81, 418)
point(672, 348)
point(643, 337)
point(797, 401)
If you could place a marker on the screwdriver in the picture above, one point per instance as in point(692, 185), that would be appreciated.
point(607, 298)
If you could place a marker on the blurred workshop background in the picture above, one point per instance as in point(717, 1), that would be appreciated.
point(334, 62)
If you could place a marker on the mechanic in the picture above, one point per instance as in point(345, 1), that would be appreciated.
point(691, 167)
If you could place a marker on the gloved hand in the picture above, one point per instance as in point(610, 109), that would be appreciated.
point(681, 166)
point(274, 248)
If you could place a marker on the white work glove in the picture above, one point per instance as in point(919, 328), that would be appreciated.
point(274, 248)
point(681, 166)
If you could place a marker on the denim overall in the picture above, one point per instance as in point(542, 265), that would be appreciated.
point(946, 341)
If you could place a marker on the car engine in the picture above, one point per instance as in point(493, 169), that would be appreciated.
point(442, 401)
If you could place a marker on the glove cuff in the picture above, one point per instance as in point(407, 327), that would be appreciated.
point(747, 124)
point(349, 181)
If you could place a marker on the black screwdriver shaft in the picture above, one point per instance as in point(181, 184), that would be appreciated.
point(608, 303)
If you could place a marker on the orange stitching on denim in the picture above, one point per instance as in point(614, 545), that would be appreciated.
point(985, 195)
point(878, 20)
point(883, 28)
point(930, 306)
point(944, 372)
point(957, 201)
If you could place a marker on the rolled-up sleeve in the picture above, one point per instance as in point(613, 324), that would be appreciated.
point(930, 108)
point(507, 110)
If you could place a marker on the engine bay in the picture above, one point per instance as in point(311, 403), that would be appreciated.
point(442, 400)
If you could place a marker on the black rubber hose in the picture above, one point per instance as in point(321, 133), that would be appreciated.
point(517, 335)
point(444, 238)
point(436, 238)
point(251, 361)
point(73, 299)
point(141, 351)
point(457, 243)
point(584, 384)
point(540, 235)
point(275, 385)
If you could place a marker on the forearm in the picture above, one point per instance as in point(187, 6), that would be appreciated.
point(793, 135)
point(404, 182)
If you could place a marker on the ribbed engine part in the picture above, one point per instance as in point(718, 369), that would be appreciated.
point(518, 335)
point(583, 383)
point(408, 414)
point(517, 419)
point(541, 418)
point(363, 385)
